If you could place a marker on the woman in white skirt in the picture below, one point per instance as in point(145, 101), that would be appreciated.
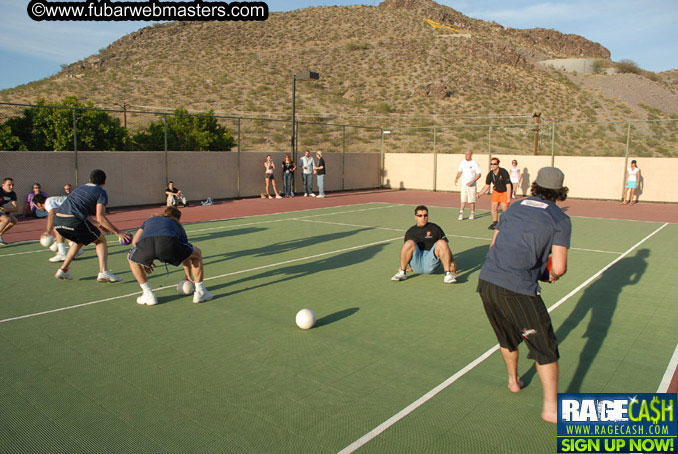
point(516, 176)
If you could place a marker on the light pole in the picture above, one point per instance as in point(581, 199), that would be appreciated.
point(307, 75)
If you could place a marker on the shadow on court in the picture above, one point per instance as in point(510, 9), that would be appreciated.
point(335, 317)
point(600, 299)
point(303, 270)
point(470, 261)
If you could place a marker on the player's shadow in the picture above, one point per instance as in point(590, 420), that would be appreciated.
point(600, 300)
point(469, 261)
point(280, 247)
point(303, 270)
point(335, 317)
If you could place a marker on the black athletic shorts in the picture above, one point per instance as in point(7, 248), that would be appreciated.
point(76, 230)
point(168, 249)
point(516, 318)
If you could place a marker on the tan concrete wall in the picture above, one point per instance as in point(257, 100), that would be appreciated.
point(587, 177)
point(138, 178)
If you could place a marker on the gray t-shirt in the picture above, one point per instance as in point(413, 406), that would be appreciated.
point(82, 202)
point(527, 231)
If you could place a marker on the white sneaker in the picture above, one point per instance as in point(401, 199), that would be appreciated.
point(472, 217)
point(321, 196)
point(2, 242)
point(449, 278)
point(305, 195)
point(61, 274)
point(147, 298)
point(270, 196)
point(107, 276)
point(58, 258)
point(201, 297)
point(312, 195)
point(461, 217)
point(278, 197)
point(54, 247)
point(399, 276)
point(291, 194)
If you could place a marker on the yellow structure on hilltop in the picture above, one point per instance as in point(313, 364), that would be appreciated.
point(435, 24)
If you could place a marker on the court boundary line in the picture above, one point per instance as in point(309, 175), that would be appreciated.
point(670, 372)
point(452, 236)
point(572, 216)
point(227, 226)
point(75, 306)
point(430, 394)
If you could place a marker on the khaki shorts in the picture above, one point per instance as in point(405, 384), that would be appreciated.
point(468, 194)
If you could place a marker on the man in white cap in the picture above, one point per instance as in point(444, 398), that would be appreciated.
point(518, 258)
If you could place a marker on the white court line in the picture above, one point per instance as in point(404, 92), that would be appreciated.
point(670, 370)
point(230, 226)
point(470, 366)
point(451, 236)
point(206, 279)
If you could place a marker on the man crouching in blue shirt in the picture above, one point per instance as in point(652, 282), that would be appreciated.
point(508, 283)
point(72, 222)
point(163, 238)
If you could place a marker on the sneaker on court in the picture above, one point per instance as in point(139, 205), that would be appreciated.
point(58, 258)
point(270, 196)
point(305, 195)
point(321, 196)
point(449, 278)
point(312, 195)
point(399, 276)
point(291, 194)
point(147, 298)
point(107, 276)
point(492, 226)
point(54, 247)
point(201, 297)
point(472, 216)
point(2, 242)
point(461, 217)
point(61, 274)
point(278, 197)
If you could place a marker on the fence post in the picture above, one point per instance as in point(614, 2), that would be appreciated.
point(553, 139)
point(343, 157)
point(626, 155)
point(381, 160)
point(435, 161)
point(238, 171)
point(489, 140)
point(164, 122)
point(75, 146)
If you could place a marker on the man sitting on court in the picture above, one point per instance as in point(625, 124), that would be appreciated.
point(7, 207)
point(71, 222)
point(425, 248)
point(163, 238)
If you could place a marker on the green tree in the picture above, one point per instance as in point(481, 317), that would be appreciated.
point(200, 132)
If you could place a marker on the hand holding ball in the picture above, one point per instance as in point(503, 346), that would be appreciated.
point(185, 287)
point(46, 240)
point(125, 239)
point(305, 319)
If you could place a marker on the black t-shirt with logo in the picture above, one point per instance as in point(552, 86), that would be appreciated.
point(6, 197)
point(425, 236)
point(500, 180)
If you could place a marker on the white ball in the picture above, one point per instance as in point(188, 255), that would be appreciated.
point(305, 319)
point(185, 287)
point(46, 240)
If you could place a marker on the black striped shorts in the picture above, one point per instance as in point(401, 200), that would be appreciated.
point(518, 318)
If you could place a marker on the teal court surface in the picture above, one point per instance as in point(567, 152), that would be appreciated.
point(390, 367)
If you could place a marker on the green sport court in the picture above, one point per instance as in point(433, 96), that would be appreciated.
point(390, 367)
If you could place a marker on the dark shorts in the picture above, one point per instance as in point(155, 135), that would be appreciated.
point(168, 249)
point(516, 318)
point(269, 176)
point(76, 230)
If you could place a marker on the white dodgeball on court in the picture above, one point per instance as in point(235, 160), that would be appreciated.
point(46, 240)
point(305, 319)
point(185, 287)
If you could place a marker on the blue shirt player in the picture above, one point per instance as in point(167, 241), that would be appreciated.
point(518, 258)
point(163, 238)
point(72, 221)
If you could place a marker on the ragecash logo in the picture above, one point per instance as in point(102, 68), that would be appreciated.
point(594, 423)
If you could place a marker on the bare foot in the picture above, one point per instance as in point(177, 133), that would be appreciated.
point(516, 386)
point(549, 416)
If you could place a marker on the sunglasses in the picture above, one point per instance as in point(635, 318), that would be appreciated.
point(494, 163)
point(421, 215)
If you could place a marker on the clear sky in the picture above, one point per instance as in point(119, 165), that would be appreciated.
point(640, 30)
